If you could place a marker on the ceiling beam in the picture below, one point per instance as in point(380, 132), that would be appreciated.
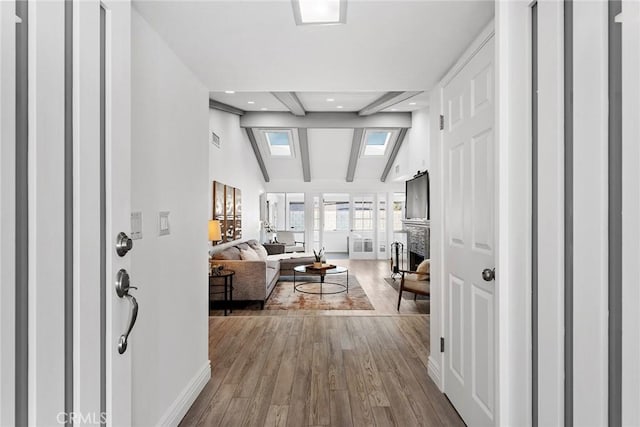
point(386, 101)
point(256, 151)
point(394, 154)
point(291, 101)
point(303, 140)
point(279, 120)
point(356, 145)
point(217, 105)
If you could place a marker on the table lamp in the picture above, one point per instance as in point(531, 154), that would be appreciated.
point(215, 234)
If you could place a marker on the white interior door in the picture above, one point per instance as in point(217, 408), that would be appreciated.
point(363, 225)
point(102, 171)
point(469, 221)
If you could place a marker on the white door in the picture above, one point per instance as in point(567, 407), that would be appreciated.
point(362, 237)
point(468, 145)
point(101, 105)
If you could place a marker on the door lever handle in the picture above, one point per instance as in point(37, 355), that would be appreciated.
point(122, 342)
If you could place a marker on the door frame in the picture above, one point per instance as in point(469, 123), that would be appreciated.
point(513, 160)
point(7, 212)
point(631, 207)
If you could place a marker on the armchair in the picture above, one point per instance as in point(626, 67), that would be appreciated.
point(418, 282)
point(290, 242)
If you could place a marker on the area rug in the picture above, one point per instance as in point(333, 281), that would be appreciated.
point(395, 284)
point(284, 298)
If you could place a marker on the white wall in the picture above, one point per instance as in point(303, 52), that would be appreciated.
point(235, 164)
point(169, 155)
point(414, 154)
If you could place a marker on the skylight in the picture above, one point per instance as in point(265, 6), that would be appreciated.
point(376, 143)
point(319, 11)
point(279, 143)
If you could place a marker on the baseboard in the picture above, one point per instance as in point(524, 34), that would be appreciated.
point(433, 369)
point(185, 399)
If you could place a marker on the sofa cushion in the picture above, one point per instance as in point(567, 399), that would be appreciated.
point(249, 255)
point(273, 263)
point(262, 252)
point(242, 246)
point(271, 274)
point(230, 254)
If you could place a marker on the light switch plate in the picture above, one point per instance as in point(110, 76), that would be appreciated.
point(136, 225)
point(163, 223)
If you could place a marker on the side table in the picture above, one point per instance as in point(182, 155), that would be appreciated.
point(274, 248)
point(227, 275)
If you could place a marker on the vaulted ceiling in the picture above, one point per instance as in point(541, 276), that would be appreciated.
point(334, 79)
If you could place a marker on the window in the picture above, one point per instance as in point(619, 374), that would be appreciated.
point(363, 215)
point(398, 210)
point(279, 143)
point(336, 212)
point(376, 142)
point(285, 211)
point(382, 223)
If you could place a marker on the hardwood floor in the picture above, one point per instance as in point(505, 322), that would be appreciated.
point(324, 368)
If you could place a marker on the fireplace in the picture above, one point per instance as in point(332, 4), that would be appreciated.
point(417, 242)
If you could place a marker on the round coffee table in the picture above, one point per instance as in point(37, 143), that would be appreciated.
point(307, 269)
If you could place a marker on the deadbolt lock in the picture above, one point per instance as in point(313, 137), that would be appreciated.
point(123, 244)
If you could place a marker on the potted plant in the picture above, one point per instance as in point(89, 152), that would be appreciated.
point(318, 256)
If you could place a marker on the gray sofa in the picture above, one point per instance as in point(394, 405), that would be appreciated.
point(255, 280)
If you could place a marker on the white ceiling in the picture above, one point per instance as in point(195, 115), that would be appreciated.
point(241, 100)
point(329, 152)
point(255, 46)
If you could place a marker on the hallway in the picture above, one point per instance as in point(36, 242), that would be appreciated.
point(320, 370)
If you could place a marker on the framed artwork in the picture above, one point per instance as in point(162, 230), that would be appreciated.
point(227, 208)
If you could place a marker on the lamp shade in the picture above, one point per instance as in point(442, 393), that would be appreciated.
point(215, 235)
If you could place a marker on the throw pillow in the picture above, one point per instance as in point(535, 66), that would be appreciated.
point(249, 255)
point(423, 270)
point(262, 252)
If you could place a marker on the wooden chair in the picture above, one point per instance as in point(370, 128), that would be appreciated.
point(418, 282)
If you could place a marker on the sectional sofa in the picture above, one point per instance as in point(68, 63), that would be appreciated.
point(256, 273)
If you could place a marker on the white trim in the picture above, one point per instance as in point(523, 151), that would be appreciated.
point(187, 396)
point(433, 369)
point(590, 213)
point(513, 207)
point(7, 213)
point(631, 218)
point(550, 213)
point(478, 43)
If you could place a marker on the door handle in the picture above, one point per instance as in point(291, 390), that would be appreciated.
point(489, 274)
point(122, 342)
point(123, 285)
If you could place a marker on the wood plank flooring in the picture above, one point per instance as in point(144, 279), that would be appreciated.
point(324, 368)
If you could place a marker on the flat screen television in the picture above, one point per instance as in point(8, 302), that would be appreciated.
point(417, 194)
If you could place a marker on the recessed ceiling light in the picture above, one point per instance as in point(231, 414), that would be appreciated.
point(394, 109)
point(264, 109)
point(412, 103)
point(339, 106)
point(330, 99)
point(251, 102)
point(318, 12)
point(229, 91)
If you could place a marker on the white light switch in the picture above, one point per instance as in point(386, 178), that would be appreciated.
point(163, 223)
point(136, 225)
